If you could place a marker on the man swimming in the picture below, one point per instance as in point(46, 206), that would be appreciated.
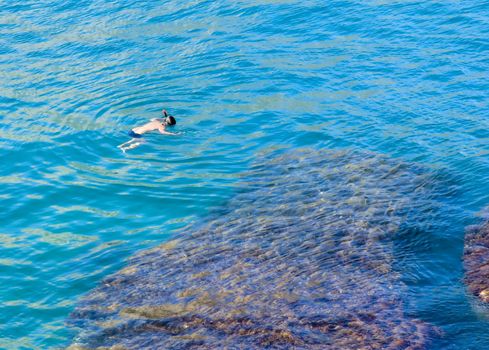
point(136, 133)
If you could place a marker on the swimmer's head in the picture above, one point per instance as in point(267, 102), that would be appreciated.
point(170, 120)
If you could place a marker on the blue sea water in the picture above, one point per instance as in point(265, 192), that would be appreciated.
point(408, 79)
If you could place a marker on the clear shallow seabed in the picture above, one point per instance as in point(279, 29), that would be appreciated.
point(405, 79)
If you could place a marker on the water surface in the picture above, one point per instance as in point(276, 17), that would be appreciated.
point(405, 79)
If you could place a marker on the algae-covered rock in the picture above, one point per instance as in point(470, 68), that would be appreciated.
point(476, 261)
point(301, 258)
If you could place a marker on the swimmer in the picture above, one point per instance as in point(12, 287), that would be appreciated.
point(136, 133)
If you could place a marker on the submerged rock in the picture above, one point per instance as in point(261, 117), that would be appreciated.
point(301, 258)
point(476, 261)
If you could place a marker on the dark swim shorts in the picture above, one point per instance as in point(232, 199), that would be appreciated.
point(134, 134)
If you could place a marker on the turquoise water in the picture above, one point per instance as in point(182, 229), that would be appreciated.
point(406, 79)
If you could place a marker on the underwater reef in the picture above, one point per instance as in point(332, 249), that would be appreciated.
point(476, 261)
point(302, 257)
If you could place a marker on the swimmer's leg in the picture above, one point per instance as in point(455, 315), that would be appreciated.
point(131, 144)
point(126, 143)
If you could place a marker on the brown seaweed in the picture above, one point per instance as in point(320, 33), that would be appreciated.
point(301, 258)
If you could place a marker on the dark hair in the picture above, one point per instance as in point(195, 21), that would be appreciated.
point(171, 120)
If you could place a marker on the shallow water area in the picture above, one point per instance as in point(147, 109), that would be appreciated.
point(268, 273)
point(403, 79)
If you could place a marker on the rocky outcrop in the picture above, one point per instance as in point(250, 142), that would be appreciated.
point(476, 261)
point(301, 258)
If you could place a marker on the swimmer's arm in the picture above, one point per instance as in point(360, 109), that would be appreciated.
point(162, 130)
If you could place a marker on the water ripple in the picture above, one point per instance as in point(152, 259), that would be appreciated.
point(407, 79)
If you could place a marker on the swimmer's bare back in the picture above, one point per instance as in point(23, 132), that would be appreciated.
point(154, 124)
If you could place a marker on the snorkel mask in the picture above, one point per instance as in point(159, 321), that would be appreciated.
point(168, 118)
